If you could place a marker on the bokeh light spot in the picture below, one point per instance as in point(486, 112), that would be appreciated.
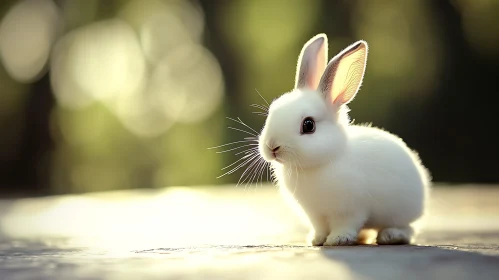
point(27, 33)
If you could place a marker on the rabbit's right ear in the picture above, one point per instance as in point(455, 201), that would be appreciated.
point(344, 74)
point(311, 63)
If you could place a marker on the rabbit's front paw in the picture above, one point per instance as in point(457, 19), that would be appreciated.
point(344, 239)
point(317, 239)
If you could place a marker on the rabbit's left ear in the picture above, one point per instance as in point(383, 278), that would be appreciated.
point(311, 63)
point(344, 74)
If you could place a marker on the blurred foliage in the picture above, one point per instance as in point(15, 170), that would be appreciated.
point(100, 95)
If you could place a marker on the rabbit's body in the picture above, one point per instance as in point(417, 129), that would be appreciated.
point(376, 179)
point(344, 177)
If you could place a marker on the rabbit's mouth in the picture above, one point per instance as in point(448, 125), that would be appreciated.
point(276, 152)
point(280, 158)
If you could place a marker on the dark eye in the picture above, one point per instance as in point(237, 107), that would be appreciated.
point(308, 126)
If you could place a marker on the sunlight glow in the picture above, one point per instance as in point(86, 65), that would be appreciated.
point(134, 220)
point(106, 60)
point(27, 33)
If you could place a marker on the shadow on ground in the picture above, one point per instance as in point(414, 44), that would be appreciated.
point(356, 262)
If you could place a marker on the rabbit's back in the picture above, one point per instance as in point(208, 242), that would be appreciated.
point(391, 174)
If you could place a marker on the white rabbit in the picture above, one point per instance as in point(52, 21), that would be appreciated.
point(345, 178)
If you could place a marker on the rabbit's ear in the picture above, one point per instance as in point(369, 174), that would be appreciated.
point(311, 63)
point(344, 74)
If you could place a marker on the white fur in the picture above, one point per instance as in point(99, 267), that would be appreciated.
point(343, 177)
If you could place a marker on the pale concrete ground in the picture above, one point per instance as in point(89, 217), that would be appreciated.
point(229, 233)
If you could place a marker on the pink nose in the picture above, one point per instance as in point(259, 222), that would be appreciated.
point(274, 150)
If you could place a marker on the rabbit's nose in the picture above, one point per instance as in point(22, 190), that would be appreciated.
point(272, 146)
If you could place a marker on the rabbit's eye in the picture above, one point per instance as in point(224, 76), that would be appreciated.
point(308, 126)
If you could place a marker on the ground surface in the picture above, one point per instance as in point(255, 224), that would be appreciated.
point(229, 233)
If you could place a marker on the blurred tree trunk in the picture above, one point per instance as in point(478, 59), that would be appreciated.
point(223, 49)
point(29, 172)
point(452, 134)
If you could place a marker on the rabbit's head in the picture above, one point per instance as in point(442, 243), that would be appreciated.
point(306, 127)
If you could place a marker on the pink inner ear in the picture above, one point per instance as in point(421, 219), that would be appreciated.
point(344, 75)
point(340, 100)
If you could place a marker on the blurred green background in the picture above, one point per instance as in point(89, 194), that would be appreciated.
point(116, 94)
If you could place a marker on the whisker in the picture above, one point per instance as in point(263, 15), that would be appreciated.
point(243, 123)
point(253, 161)
point(242, 158)
point(256, 172)
point(225, 151)
point(262, 97)
point(260, 113)
point(262, 171)
point(242, 131)
point(247, 151)
point(259, 171)
point(258, 106)
point(235, 142)
point(251, 174)
point(239, 121)
point(239, 166)
point(268, 167)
